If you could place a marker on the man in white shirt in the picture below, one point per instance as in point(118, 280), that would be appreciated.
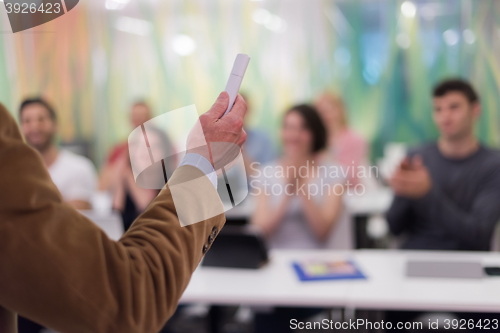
point(74, 175)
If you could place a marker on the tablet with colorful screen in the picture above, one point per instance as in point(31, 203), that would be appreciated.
point(327, 270)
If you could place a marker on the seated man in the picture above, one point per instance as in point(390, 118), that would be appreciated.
point(448, 192)
point(74, 175)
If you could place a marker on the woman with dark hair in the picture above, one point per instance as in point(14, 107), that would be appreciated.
point(299, 195)
point(299, 199)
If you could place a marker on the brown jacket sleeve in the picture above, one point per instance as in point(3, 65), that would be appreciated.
point(60, 270)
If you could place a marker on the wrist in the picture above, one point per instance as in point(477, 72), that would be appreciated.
point(200, 162)
point(203, 151)
point(427, 197)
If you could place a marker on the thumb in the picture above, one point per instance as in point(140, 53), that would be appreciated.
point(220, 106)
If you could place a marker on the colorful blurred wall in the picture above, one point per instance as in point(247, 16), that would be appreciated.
point(383, 56)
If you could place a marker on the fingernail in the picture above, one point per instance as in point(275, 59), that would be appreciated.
point(222, 96)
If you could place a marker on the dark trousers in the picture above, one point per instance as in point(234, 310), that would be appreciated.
point(279, 319)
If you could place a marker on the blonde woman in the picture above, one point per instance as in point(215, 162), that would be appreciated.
point(348, 148)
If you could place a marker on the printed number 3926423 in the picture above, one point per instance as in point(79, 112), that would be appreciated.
point(32, 8)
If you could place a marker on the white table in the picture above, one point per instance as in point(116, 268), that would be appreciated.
point(387, 287)
point(110, 222)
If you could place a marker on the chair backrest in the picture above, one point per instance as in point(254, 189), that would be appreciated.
point(237, 247)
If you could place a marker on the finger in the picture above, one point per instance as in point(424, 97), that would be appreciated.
point(396, 187)
point(407, 186)
point(239, 109)
point(405, 164)
point(220, 106)
point(393, 182)
point(242, 138)
point(417, 162)
point(400, 191)
point(397, 173)
point(233, 124)
point(404, 176)
point(400, 180)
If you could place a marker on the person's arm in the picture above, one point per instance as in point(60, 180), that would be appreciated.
point(108, 177)
point(399, 215)
point(80, 204)
point(474, 228)
point(142, 197)
point(59, 269)
point(268, 218)
point(321, 217)
point(8, 321)
point(110, 173)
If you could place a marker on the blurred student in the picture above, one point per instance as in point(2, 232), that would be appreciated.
point(292, 214)
point(117, 176)
point(348, 148)
point(139, 114)
point(298, 218)
point(74, 175)
point(259, 146)
point(448, 192)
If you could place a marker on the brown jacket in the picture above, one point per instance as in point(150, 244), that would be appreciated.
point(60, 270)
